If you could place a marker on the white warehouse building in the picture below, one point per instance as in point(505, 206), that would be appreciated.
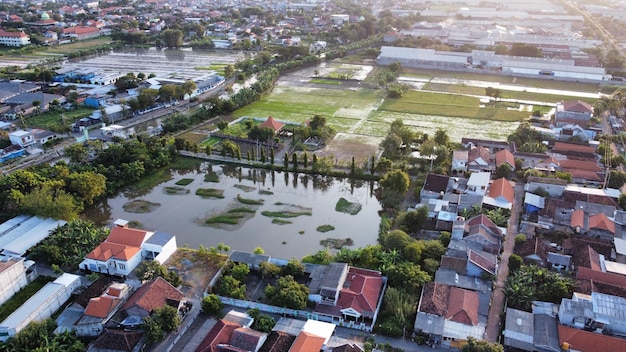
point(41, 305)
point(489, 61)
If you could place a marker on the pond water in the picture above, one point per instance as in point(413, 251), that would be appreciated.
point(183, 214)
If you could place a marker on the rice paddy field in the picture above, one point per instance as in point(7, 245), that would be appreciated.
point(367, 113)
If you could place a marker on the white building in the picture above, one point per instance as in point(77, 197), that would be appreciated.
point(478, 183)
point(14, 38)
point(23, 232)
point(22, 138)
point(41, 305)
point(12, 276)
point(125, 248)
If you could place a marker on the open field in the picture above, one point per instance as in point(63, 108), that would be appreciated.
point(531, 82)
point(366, 113)
point(53, 120)
point(506, 94)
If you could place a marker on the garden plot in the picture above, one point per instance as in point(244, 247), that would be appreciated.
point(344, 146)
point(378, 123)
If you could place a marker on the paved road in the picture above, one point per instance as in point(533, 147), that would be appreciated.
point(492, 332)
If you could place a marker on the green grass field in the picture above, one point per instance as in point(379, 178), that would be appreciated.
point(361, 112)
point(52, 120)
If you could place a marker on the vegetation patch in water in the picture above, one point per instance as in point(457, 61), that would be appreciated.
point(265, 192)
point(229, 219)
point(242, 210)
point(211, 176)
point(281, 222)
point(140, 206)
point(245, 188)
point(184, 181)
point(337, 243)
point(345, 206)
point(175, 190)
point(325, 228)
point(285, 214)
point(210, 192)
point(249, 201)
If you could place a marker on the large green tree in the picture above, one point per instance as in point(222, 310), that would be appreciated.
point(287, 293)
point(172, 38)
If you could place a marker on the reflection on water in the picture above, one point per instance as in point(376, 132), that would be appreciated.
point(182, 215)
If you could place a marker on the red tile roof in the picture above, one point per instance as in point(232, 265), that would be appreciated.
point(580, 165)
point(108, 250)
point(577, 106)
point(129, 237)
point(482, 219)
point(273, 124)
point(599, 276)
point(364, 287)
point(463, 306)
point(80, 30)
point(122, 243)
point(578, 219)
point(505, 156)
point(20, 34)
point(307, 342)
point(219, 334)
point(502, 188)
point(564, 147)
point(100, 307)
point(153, 294)
point(584, 175)
point(602, 222)
point(479, 152)
point(581, 340)
point(434, 299)
point(482, 262)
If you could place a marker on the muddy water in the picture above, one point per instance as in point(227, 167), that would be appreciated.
point(183, 214)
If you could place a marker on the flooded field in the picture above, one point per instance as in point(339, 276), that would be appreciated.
point(249, 208)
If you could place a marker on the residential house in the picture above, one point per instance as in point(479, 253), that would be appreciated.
point(478, 183)
point(480, 159)
point(577, 340)
point(553, 186)
point(597, 225)
point(460, 160)
point(220, 334)
point(277, 341)
point(505, 157)
point(533, 251)
point(13, 275)
point(448, 315)
point(484, 232)
point(519, 330)
point(359, 299)
point(501, 194)
point(114, 340)
point(533, 203)
point(124, 249)
point(559, 262)
point(100, 309)
point(573, 112)
point(154, 294)
point(532, 331)
point(480, 263)
point(603, 313)
point(435, 186)
point(22, 138)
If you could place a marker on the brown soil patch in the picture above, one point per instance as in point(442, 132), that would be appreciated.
point(196, 270)
point(344, 146)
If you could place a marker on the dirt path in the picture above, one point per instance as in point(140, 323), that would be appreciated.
point(492, 332)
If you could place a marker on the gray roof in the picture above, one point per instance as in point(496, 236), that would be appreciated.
point(519, 329)
point(579, 308)
point(545, 334)
point(559, 259)
point(326, 276)
point(20, 234)
point(429, 324)
point(8, 89)
point(609, 306)
point(28, 98)
point(452, 278)
point(159, 238)
point(248, 258)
